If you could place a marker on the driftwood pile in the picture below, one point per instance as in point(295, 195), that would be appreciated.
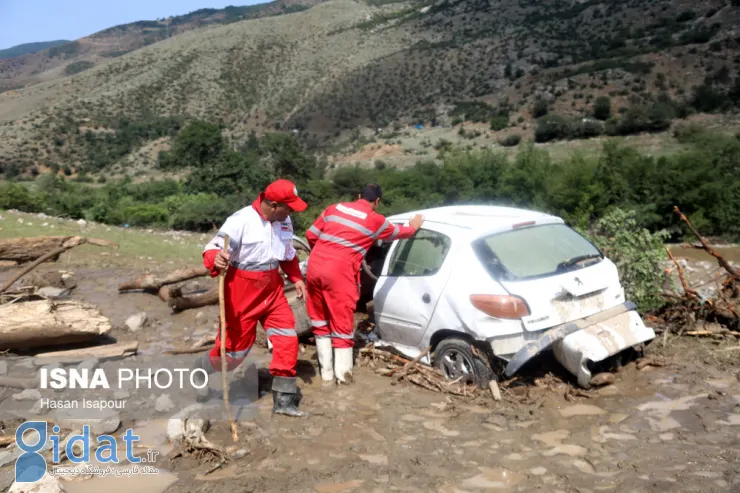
point(32, 318)
point(398, 367)
point(688, 311)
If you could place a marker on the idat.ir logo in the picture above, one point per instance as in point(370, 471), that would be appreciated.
point(31, 438)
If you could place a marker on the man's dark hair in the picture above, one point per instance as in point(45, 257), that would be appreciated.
point(371, 192)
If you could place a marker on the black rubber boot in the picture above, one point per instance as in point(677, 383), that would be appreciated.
point(286, 396)
point(202, 362)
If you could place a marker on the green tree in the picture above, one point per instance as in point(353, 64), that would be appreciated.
point(602, 108)
point(637, 253)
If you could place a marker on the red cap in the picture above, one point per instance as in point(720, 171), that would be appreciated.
point(285, 191)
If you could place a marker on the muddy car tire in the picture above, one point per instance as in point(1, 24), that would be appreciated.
point(454, 358)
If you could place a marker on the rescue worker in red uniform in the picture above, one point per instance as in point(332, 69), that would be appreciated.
point(260, 240)
point(339, 240)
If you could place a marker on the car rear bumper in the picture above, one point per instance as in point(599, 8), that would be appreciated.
point(598, 336)
point(600, 341)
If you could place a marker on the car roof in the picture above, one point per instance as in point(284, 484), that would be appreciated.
point(476, 219)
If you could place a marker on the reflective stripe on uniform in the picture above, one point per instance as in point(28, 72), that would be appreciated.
point(343, 242)
point(382, 228)
point(256, 266)
point(319, 323)
point(238, 354)
point(342, 336)
point(395, 233)
point(281, 332)
point(350, 224)
point(322, 336)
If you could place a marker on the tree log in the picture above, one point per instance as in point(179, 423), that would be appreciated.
point(151, 283)
point(48, 323)
point(178, 302)
point(26, 249)
point(105, 352)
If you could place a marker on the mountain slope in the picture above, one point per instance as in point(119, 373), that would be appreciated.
point(74, 56)
point(345, 63)
point(27, 48)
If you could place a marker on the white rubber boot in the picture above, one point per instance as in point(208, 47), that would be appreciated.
point(324, 350)
point(343, 365)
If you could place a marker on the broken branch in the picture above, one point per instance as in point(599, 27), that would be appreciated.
point(707, 247)
point(410, 364)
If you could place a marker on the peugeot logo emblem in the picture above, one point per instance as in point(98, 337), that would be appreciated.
point(578, 280)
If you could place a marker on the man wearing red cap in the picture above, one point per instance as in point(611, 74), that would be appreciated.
point(260, 240)
point(339, 240)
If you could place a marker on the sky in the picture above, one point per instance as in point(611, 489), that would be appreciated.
point(28, 21)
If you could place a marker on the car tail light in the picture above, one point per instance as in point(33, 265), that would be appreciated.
point(500, 306)
point(525, 223)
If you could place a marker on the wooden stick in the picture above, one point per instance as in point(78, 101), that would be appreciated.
point(724, 350)
point(19, 383)
point(711, 251)
point(686, 289)
point(108, 351)
point(495, 392)
point(410, 364)
point(224, 376)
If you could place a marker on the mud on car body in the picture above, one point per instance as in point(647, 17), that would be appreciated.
point(493, 287)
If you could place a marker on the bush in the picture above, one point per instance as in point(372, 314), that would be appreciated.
point(511, 140)
point(552, 127)
point(540, 108)
point(602, 108)
point(587, 128)
point(145, 215)
point(499, 122)
point(637, 253)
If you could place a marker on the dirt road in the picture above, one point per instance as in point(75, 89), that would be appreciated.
point(671, 428)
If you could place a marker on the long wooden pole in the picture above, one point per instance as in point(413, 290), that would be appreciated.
point(224, 376)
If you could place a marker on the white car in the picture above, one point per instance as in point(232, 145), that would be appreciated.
point(481, 284)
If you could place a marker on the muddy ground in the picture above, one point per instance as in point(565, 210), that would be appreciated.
point(669, 428)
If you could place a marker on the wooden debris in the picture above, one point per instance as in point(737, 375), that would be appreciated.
point(705, 245)
point(152, 284)
point(601, 379)
point(6, 440)
point(728, 349)
point(27, 249)
point(108, 351)
point(409, 365)
point(644, 362)
point(19, 383)
point(206, 343)
point(495, 392)
point(48, 323)
point(69, 242)
point(421, 375)
point(686, 289)
point(178, 302)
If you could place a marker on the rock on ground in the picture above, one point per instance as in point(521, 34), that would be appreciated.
point(27, 395)
point(136, 322)
point(163, 404)
point(47, 484)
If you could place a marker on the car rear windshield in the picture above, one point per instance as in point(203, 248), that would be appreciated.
point(536, 251)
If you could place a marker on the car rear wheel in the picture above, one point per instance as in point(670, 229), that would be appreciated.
point(455, 359)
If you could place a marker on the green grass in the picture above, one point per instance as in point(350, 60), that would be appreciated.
point(136, 246)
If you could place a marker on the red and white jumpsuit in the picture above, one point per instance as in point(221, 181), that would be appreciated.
point(339, 240)
point(253, 288)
